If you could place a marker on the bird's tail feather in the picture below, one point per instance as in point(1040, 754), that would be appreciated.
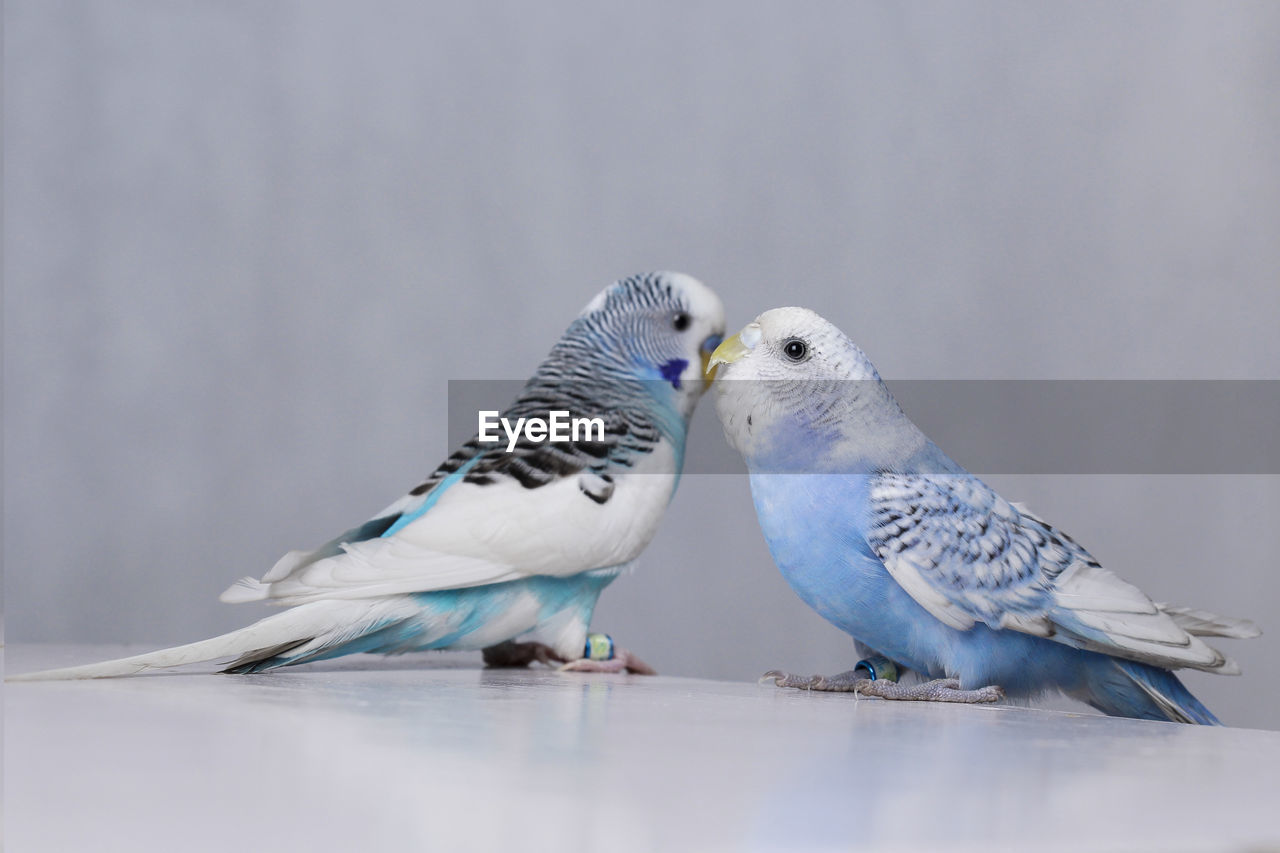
point(390, 634)
point(1202, 623)
point(267, 639)
point(1124, 688)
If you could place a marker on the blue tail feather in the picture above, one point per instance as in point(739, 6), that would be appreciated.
point(446, 619)
point(1125, 688)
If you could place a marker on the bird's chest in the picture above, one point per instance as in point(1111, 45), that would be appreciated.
point(567, 526)
point(810, 523)
point(813, 524)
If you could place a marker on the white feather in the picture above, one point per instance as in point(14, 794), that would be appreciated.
point(484, 534)
point(301, 624)
point(1202, 623)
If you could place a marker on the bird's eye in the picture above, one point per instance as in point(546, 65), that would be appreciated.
point(795, 349)
point(680, 321)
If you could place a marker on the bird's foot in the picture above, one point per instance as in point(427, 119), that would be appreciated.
point(938, 690)
point(845, 682)
point(512, 654)
point(601, 655)
point(623, 660)
point(853, 681)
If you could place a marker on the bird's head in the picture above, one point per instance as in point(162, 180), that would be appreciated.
point(792, 390)
point(660, 328)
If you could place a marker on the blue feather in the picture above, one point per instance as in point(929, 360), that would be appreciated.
point(672, 371)
point(432, 497)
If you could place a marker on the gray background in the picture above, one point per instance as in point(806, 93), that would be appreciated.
point(247, 244)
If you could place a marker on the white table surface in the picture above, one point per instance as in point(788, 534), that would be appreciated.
point(429, 752)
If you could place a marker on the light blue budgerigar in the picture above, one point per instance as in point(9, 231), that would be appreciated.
point(889, 539)
point(503, 541)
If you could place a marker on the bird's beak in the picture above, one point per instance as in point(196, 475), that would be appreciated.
point(735, 348)
point(709, 346)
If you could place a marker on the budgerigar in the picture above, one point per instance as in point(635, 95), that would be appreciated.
point(503, 543)
point(890, 540)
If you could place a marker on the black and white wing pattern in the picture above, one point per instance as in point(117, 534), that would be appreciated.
point(629, 434)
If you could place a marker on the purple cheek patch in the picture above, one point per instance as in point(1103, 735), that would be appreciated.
point(671, 371)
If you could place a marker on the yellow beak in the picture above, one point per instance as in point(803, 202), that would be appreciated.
point(729, 351)
point(706, 369)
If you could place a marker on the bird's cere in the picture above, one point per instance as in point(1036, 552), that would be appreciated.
point(559, 427)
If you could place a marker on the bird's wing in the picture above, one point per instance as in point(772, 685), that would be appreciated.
point(486, 516)
point(967, 555)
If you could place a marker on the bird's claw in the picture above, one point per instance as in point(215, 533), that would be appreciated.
point(786, 679)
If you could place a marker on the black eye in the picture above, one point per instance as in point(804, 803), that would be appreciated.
point(795, 349)
point(680, 321)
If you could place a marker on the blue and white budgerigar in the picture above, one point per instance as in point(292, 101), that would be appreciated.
point(889, 539)
point(502, 543)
